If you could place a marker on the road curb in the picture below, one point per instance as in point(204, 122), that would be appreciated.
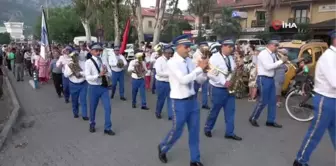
point(7, 129)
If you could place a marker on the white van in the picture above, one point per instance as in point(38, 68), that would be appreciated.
point(253, 41)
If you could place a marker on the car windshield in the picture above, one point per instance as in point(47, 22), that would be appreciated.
point(129, 47)
point(293, 53)
point(254, 42)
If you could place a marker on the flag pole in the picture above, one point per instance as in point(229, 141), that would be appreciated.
point(46, 24)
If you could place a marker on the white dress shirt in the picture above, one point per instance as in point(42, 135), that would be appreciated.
point(69, 74)
point(267, 63)
point(180, 80)
point(131, 68)
point(220, 61)
point(161, 69)
point(114, 61)
point(63, 61)
point(91, 72)
point(325, 73)
point(153, 57)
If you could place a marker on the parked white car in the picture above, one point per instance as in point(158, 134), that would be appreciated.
point(129, 52)
point(252, 41)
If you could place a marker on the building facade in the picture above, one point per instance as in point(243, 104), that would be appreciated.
point(148, 21)
point(320, 15)
point(15, 28)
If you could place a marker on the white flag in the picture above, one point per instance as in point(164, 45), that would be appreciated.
point(44, 37)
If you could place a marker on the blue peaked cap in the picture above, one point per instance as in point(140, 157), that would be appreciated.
point(203, 43)
point(96, 46)
point(116, 48)
point(168, 49)
point(183, 39)
point(332, 34)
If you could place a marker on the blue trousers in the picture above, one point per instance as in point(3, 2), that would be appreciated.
point(96, 92)
point(118, 77)
point(221, 98)
point(138, 84)
point(184, 111)
point(163, 94)
point(324, 119)
point(79, 91)
point(66, 90)
point(267, 97)
point(205, 88)
point(154, 81)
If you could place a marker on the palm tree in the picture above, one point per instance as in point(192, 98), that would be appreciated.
point(200, 8)
point(270, 6)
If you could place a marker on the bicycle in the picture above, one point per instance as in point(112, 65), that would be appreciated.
point(301, 87)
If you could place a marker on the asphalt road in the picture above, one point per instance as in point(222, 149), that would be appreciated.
point(54, 138)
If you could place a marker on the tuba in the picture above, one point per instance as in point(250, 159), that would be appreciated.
point(139, 69)
point(74, 66)
point(120, 63)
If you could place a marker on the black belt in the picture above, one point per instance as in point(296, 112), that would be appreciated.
point(188, 98)
point(265, 76)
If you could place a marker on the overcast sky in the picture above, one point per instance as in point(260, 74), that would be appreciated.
point(183, 4)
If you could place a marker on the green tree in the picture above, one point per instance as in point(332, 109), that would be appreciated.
point(5, 38)
point(63, 25)
point(226, 25)
point(175, 28)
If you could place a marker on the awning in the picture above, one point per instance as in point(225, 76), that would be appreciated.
point(329, 24)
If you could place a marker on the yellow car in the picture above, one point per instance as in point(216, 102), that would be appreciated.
point(301, 49)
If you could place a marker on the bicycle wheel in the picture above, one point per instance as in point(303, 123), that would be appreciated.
point(296, 109)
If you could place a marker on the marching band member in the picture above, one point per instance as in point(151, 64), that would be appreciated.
point(138, 69)
point(117, 66)
point(182, 73)
point(97, 76)
point(74, 71)
point(155, 55)
point(266, 66)
point(162, 82)
point(324, 102)
point(205, 86)
point(221, 98)
point(62, 62)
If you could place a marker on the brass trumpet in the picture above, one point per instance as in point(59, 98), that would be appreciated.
point(280, 55)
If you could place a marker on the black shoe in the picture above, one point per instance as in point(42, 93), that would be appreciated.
point(208, 134)
point(153, 92)
point(17, 80)
point(158, 116)
point(76, 116)
point(254, 122)
point(296, 163)
point(123, 98)
point(162, 156)
point(234, 137)
point(170, 118)
point(112, 96)
point(59, 95)
point(196, 164)
point(109, 132)
point(92, 130)
point(85, 118)
point(206, 107)
point(67, 101)
point(133, 105)
point(274, 124)
point(144, 108)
